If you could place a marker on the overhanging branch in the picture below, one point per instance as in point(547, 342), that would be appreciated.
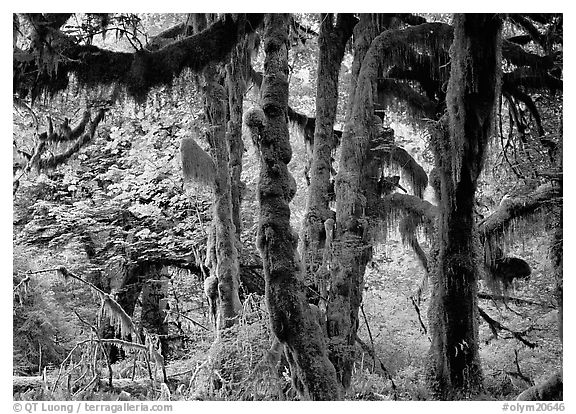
point(139, 71)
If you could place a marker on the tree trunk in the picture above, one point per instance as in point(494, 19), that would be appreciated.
point(355, 184)
point(227, 265)
point(455, 370)
point(236, 80)
point(222, 253)
point(316, 229)
point(292, 319)
point(153, 290)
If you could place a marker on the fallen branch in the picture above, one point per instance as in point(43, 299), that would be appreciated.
point(417, 308)
point(517, 301)
point(22, 384)
point(549, 390)
point(496, 327)
point(372, 354)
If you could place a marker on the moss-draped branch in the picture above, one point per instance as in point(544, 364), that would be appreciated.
point(139, 71)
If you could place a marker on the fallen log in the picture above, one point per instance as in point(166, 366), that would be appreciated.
point(549, 390)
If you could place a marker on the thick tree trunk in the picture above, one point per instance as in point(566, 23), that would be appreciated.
point(316, 229)
point(293, 322)
point(349, 254)
point(455, 370)
point(355, 197)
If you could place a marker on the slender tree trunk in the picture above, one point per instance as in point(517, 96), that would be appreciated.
point(455, 370)
point(223, 241)
point(236, 80)
point(316, 230)
point(227, 266)
point(153, 290)
point(293, 322)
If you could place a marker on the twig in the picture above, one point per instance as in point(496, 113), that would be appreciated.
point(417, 308)
point(370, 352)
point(66, 360)
point(22, 282)
point(93, 328)
point(519, 371)
point(170, 311)
point(369, 335)
point(66, 273)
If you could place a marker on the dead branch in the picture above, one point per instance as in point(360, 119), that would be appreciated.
point(496, 327)
point(518, 301)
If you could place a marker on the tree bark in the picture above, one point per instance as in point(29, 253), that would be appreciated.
point(332, 41)
point(227, 265)
point(236, 81)
point(350, 250)
point(455, 370)
point(153, 290)
point(292, 319)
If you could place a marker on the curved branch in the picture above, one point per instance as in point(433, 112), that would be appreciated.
point(407, 227)
point(526, 100)
point(407, 203)
point(518, 207)
point(532, 31)
point(65, 133)
point(417, 104)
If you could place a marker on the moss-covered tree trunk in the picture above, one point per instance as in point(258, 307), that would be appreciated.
point(317, 229)
point(292, 320)
point(354, 183)
point(227, 268)
point(236, 81)
point(455, 370)
point(223, 242)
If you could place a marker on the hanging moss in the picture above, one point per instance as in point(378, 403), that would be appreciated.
point(197, 164)
point(144, 69)
point(83, 137)
point(401, 96)
point(411, 170)
point(503, 227)
point(408, 227)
